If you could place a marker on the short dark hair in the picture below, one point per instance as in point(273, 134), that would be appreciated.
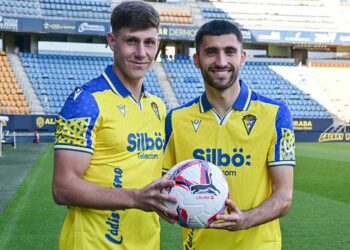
point(136, 15)
point(217, 28)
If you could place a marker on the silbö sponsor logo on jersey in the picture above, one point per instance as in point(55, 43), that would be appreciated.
point(142, 142)
point(237, 158)
point(113, 220)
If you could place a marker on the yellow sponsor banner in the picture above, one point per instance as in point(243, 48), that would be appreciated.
point(325, 137)
point(347, 137)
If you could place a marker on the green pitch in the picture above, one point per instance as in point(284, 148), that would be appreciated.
point(319, 217)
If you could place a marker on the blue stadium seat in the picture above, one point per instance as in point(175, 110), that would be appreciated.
point(54, 76)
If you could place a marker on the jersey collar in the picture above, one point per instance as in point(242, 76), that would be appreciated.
point(116, 85)
point(242, 102)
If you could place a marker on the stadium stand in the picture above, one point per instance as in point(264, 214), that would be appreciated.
point(214, 13)
point(314, 89)
point(76, 9)
point(261, 75)
point(71, 9)
point(20, 8)
point(173, 16)
point(12, 100)
point(328, 85)
point(54, 77)
point(307, 15)
point(184, 77)
point(335, 82)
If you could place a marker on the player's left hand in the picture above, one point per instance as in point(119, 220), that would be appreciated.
point(233, 221)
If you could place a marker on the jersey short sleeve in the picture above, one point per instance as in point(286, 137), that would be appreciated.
point(282, 149)
point(77, 122)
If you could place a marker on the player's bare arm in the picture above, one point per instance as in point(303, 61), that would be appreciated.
point(277, 205)
point(69, 188)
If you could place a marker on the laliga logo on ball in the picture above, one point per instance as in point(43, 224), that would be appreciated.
point(200, 189)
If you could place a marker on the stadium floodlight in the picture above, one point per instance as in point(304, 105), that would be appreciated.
point(3, 119)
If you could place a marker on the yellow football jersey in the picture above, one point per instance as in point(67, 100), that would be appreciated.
point(126, 140)
point(256, 134)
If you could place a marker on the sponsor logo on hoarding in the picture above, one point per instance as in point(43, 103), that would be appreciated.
point(325, 37)
point(297, 38)
point(274, 35)
point(344, 38)
point(176, 32)
point(302, 125)
point(58, 26)
point(247, 34)
point(325, 137)
point(84, 27)
point(7, 23)
point(41, 121)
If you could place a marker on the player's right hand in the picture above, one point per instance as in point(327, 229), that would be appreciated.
point(150, 198)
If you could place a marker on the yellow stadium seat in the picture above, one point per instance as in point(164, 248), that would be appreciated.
point(26, 110)
point(24, 104)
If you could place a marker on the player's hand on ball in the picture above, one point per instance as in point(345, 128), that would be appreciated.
point(234, 220)
point(150, 198)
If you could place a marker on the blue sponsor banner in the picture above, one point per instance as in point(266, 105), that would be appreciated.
point(171, 32)
point(40, 25)
point(31, 122)
point(306, 130)
point(75, 27)
point(313, 136)
point(320, 130)
point(304, 37)
point(168, 32)
point(10, 23)
point(315, 125)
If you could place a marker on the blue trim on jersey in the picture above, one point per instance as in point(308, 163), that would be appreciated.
point(242, 102)
point(190, 103)
point(204, 103)
point(98, 84)
point(244, 97)
point(119, 86)
point(168, 128)
point(168, 119)
point(84, 105)
point(283, 119)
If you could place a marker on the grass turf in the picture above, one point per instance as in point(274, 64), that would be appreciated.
point(320, 213)
point(14, 167)
point(32, 220)
point(319, 217)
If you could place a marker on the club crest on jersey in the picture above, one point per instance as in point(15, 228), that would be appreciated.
point(196, 123)
point(121, 109)
point(249, 121)
point(155, 109)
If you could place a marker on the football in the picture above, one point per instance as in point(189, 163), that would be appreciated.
point(201, 190)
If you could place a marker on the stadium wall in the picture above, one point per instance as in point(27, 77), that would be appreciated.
point(29, 123)
point(306, 130)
